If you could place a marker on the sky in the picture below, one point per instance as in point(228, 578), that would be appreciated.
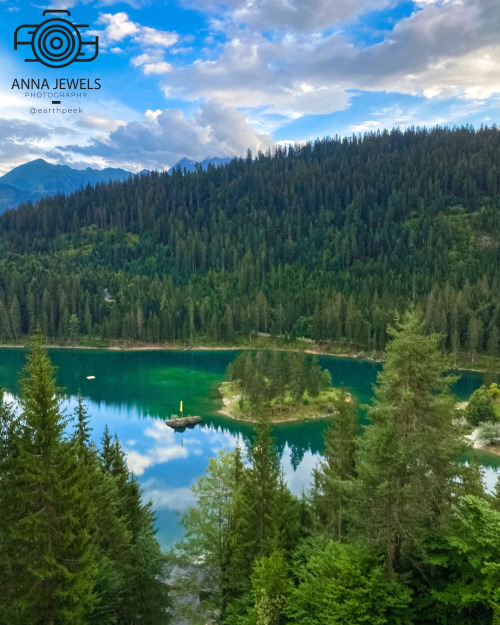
point(197, 79)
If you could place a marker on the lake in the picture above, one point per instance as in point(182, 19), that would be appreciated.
point(134, 391)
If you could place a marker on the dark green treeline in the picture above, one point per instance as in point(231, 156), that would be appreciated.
point(325, 240)
point(77, 545)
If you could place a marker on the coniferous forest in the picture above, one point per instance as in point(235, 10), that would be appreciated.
point(324, 241)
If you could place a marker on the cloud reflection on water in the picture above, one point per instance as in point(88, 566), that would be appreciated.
point(167, 462)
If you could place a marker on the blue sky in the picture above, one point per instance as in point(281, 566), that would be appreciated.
point(187, 78)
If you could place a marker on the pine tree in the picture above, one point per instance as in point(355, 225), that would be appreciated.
point(407, 464)
point(259, 490)
point(145, 598)
point(83, 428)
point(48, 543)
point(106, 451)
point(109, 531)
point(73, 328)
point(334, 476)
point(9, 434)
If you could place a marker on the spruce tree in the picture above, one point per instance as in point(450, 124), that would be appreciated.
point(48, 542)
point(109, 531)
point(408, 460)
point(9, 433)
point(83, 429)
point(260, 488)
point(145, 597)
point(334, 476)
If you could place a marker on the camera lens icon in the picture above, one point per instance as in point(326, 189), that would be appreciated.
point(56, 42)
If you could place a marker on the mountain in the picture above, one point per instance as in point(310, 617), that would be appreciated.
point(33, 180)
point(190, 165)
point(11, 197)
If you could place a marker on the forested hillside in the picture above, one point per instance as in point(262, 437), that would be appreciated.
point(325, 240)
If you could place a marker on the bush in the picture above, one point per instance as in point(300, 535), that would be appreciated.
point(344, 583)
point(480, 408)
point(490, 432)
point(494, 391)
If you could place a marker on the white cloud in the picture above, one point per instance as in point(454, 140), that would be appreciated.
point(156, 38)
point(98, 122)
point(151, 63)
point(162, 67)
point(299, 479)
point(165, 136)
point(164, 498)
point(164, 449)
point(138, 463)
point(285, 15)
point(294, 74)
point(118, 26)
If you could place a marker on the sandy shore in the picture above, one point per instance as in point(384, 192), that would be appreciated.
point(293, 419)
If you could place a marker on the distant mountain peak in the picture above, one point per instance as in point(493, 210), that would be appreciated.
point(38, 178)
point(190, 165)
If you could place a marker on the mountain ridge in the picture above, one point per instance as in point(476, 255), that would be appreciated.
point(35, 179)
point(189, 165)
point(31, 181)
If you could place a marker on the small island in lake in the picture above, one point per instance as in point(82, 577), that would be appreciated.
point(283, 386)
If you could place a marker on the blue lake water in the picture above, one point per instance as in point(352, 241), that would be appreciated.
point(134, 391)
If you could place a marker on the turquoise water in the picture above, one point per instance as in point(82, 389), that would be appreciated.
point(133, 391)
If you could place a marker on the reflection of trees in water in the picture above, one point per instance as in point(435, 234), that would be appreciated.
point(297, 455)
point(299, 439)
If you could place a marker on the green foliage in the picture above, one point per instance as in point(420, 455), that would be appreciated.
point(259, 487)
point(407, 463)
point(490, 432)
point(345, 584)
point(211, 523)
point(50, 558)
point(494, 391)
point(402, 552)
point(271, 587)
point(277, 378)
point(242, 515)
point(333, 478)
point(466, 580)
point(480, 407)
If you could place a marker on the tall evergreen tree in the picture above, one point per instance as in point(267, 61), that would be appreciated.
point(144, 599)
point(334, 477)
point(408, 458)
point(9, 433)
point(259, 491)
point(48, 542)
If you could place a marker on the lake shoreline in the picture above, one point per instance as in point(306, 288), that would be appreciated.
point(160, 347)
point(253, 421)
